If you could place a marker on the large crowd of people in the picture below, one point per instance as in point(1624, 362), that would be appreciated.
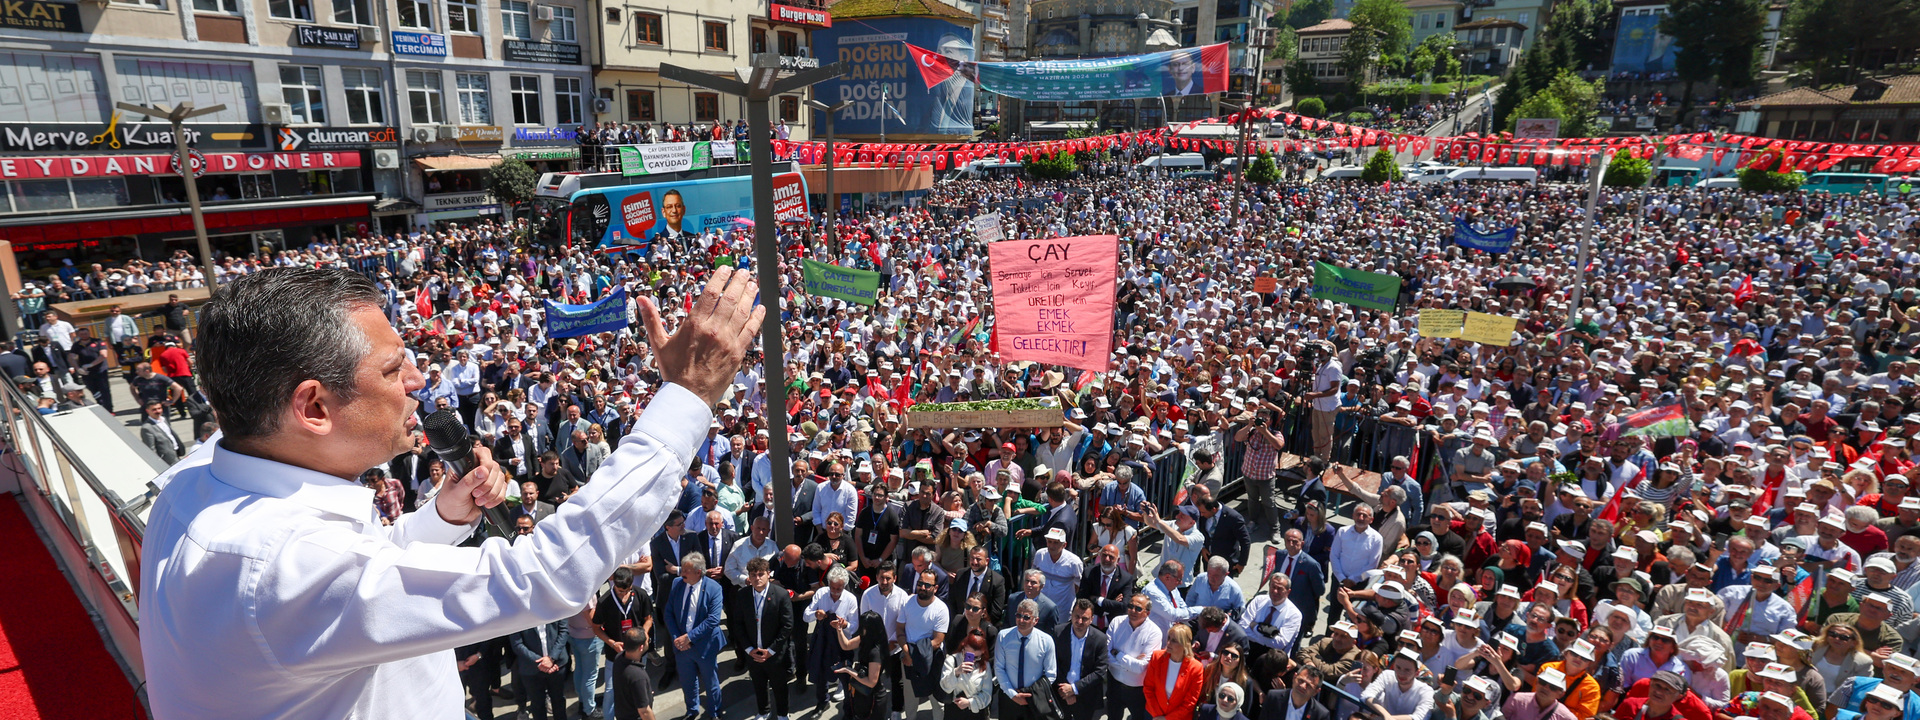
point(1527, 553)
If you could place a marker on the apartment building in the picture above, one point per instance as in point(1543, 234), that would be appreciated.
point(633, 38)
point(339, 116)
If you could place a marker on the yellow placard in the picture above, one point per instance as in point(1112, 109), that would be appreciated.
point(1439, 323)
point(1488, 329)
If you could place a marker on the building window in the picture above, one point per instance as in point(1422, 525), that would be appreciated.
point(758, 36)
point(463, 16)
point(566, 101)
point(476, 106)
point(525, 93)
point(423, 98)
point(789, 108)
point(365, 105)
point(706, 107)
point(716, 36)
point(646, 29)
point(639, 106)
point(415, 14)
point(162, 4)
point(231, 7)
point(352, 12)
point(301, 10)
point(32, 195)
point(789, 44)
point(562, 29)
point(516, 21)
point(300, 87)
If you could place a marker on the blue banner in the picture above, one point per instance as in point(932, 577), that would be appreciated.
point(608, 314)
point(884, 91)
point(1498, 241)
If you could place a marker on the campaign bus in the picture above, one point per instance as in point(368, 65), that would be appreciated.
point(611, 212)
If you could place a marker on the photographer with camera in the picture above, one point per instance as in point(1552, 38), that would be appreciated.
point(1261, 464)
point(1325, 396)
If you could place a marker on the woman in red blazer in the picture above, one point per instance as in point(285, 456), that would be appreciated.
point(1188, 674)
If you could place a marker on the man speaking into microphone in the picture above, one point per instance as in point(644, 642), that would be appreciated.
point(269, 587)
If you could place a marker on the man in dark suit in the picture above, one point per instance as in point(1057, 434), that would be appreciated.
point(978, 579)
point(693, 626)
point(159, 436)
point(1300, 698)
point(540, 667)
point(1309, 580)
point(1032, 583)
point(1214, 632)
point(669, 548)
point(530, 504)
point(1226, 533)
point(516, 451)
point(1179, 76)
point(1080, 664)
point(766, 616)
point(1106, 585)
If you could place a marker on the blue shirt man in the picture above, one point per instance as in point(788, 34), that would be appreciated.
point(1023, 656)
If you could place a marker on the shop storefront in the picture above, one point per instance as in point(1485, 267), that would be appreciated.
point(81, 207)
point(469, 206)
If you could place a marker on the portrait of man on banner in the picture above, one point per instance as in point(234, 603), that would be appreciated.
point(1181, 76)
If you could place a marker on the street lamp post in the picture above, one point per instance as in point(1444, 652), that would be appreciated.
point(833, 203)
point(762, 84)
point(177, 116)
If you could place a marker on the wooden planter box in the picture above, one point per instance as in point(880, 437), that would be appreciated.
point(1036, 418)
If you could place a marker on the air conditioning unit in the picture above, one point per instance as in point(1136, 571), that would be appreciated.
point(545, 13)
point(276, 113)
point(602, 106)
point(386, 159)
point(424, 135)
point(370, 35)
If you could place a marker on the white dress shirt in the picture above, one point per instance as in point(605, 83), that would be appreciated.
point(273, 591)
point(1128, 650)
point(744, 552)
point(1283, 616)
point(828, 500)
point(1355, 553)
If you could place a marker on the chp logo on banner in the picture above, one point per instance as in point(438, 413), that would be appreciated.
point(1054, 299)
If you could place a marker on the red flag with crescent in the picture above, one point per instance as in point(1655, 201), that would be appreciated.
point(934, 67)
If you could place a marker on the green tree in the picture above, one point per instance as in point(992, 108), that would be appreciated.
point(1579, 35)
point(1625, 170)
point(1716, 40)
point(1058, 166)
point(1311, 107)
point(1380, 168)
point(1382, 31)
point(512, 182)
point(1831, 40)
point(1541, 105)
point(1263, 170)
point(1757, 179)
point(1309, 13)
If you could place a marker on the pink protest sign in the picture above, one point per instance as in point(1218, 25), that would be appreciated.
point(1053, 299)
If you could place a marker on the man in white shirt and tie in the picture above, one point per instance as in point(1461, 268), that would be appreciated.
point(1131, 643)
point(313, 387)
point(1272, 616)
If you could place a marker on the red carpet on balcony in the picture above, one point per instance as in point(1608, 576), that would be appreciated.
point(53, 663)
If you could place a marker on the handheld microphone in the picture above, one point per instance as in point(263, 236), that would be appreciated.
point(454, 445)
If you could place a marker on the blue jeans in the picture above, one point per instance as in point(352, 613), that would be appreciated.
point(586, 669)
point(700, 676)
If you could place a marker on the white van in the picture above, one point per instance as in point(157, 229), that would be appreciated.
point(1430, 173)
point(1493, 174)
point(990, 169)
point(1348, 172)
point(1719, 183)
point(1172, 163)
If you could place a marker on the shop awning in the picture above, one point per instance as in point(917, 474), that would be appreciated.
point(33, 231)
point(455, 162)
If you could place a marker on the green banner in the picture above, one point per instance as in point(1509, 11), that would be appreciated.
point(849, 284)
point(656, 158)
point(1355, 287)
